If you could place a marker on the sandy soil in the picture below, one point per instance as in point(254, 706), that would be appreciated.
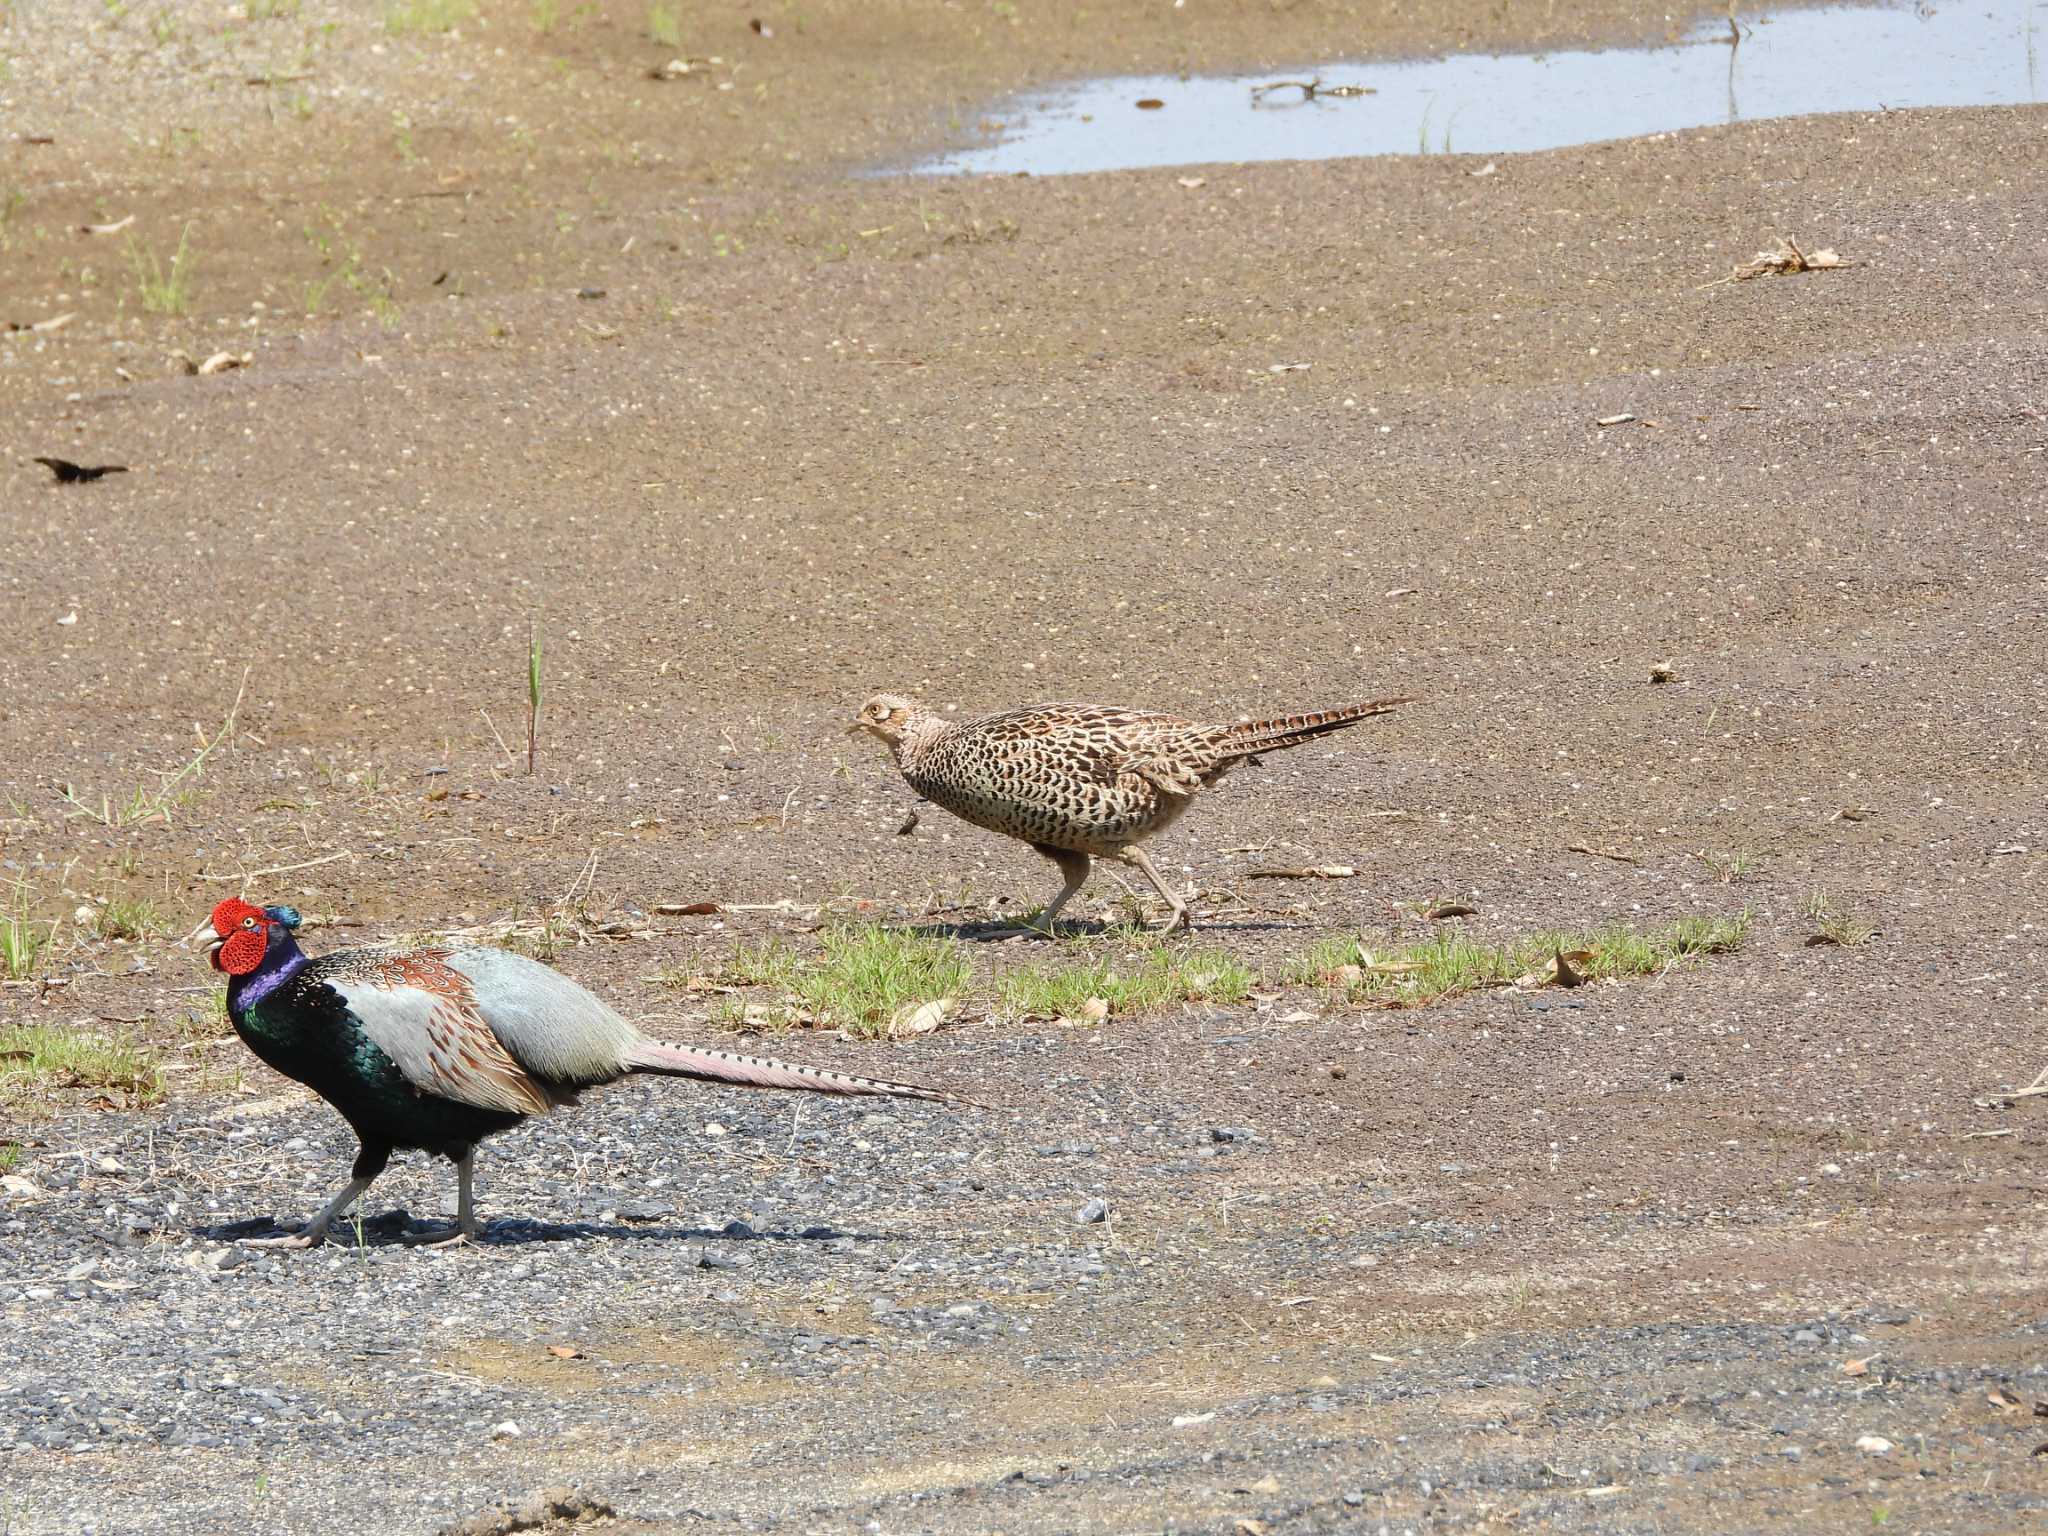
point(749, 435)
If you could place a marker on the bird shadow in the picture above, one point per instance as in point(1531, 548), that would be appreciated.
point(399, 1228)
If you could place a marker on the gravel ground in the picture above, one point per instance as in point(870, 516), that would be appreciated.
point(1752, 1244)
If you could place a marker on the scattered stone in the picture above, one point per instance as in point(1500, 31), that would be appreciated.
point(1874, 1445)
point(1095, 1210)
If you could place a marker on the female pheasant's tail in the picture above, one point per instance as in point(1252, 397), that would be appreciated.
point(1252, 736)
point(765, 1072)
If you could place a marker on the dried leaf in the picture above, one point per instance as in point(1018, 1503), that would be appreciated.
point(565, 1352)
point(688, 908)
point(761, 28)
point(1149, 104)
point(1095, 1008)
point(919, 1018)
point(1450, 909)
point(1661, 672)
point(1307, 872)
point(55, 322)
point(1613, 421)
point(1250, 1527)
point(107, 229)
point(1192, 182)
point(2003, 1400)
point(1857, 1367)
point(1562, 969)
point(1853, 813)
point(221, 362)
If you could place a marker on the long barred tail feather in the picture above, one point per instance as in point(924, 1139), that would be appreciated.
point(765, 1072)
point(1252, 736)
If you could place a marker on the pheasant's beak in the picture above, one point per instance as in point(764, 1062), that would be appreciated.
point(856, 728)
point(205, 931)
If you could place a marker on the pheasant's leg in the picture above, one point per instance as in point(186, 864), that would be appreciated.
point(1074, 868)
point(466, 1228)
point(1136, 855)
point(369, 1163)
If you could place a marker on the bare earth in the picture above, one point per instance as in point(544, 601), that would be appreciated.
point(751, 434)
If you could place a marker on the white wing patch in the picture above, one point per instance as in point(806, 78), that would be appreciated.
point(422, 1013)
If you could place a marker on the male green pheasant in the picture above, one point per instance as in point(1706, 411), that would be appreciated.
point(1078, 781)
point(437, 1048)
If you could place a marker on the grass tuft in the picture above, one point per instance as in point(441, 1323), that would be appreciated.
point(1161, 976)
point(23, 937)
point(402, 16)
point(864, 974)
point(1832, 927)
point(1730, 867)
point(1450, 963)
point(665, 24)
point(127, 917)
point(163, 290)
point(40, 1057)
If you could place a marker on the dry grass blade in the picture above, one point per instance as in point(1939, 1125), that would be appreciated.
point(1784, 259)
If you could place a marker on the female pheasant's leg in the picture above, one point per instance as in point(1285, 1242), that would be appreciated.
point(1136, 855)
point(1074, 867)
point(369, 1163)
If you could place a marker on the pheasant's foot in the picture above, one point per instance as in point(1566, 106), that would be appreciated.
point(451, 1237)
point(292, 1240)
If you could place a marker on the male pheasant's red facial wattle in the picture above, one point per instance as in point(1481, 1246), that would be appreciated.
point(244, 934)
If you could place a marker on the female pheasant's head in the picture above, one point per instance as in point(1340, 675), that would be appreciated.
point(887, 716)
point(239, 935)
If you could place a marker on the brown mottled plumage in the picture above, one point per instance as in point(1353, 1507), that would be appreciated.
point(1080, 781)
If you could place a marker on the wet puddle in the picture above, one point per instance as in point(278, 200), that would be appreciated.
point(1838, 59)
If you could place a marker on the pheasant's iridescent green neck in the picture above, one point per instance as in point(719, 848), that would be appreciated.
point(282, 960)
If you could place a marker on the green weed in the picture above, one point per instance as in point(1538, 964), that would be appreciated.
point(146, 803)
point(665, 24)
point(127, 917)
point(863, 975)
point(43, 1056)
point(163, 290)
point(533, 658)
point(1831, 927)
point(403, 16)
point(1730, 867)
point(1450, 962)
point(24, 938)
point(1160, 976)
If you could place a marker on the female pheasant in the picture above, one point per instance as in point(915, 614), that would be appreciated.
point(437, 1048)
point(1078, 781)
